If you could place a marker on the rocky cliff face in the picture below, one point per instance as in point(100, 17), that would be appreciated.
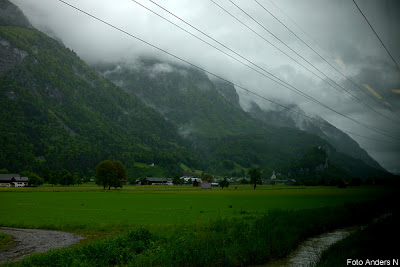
point(228, 92)
point(10, 56)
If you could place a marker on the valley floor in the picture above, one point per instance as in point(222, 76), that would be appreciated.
point(182, 225)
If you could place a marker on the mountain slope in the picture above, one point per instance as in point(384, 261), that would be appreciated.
point(341, 141)
point(208, 114)
point(58, 113)
point(11, 15)
point(184, 96)
point(285, 118)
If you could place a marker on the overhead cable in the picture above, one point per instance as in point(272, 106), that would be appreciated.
point(361, 89)
point(338, 88)
point(291, 87)
point(213, 74)
point(372, 28)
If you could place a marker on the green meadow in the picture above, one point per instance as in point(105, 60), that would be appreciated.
point(187, 226)
point(89, 208)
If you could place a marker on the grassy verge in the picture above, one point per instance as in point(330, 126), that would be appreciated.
point(255, 239)
point(5, 240)
point(375, 245)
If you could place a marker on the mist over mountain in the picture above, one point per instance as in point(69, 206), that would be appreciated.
point(341, 141)
point(59, 113)
point(346, 43)
point(208, 113)
point(11, 15)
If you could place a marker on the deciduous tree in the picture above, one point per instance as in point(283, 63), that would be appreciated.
point(177, 180)
point(255, 177)
point(208, 177)
point(110, 173)
point(120, 177)
point(224, 183)
point(34, 179)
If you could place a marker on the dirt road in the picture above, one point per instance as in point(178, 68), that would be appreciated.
point(29, 241)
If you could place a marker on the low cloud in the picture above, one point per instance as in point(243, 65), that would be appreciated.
point(343, 37)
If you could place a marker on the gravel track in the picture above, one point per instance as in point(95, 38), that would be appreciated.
point(29, 241)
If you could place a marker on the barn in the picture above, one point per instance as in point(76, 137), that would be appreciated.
point(154, 181)
point(205, 185)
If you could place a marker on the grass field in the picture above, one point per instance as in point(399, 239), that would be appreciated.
point(88, 207)
point(186, 226)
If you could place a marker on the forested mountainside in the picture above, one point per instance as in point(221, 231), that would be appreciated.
point(340, 140)
point(347, 153)
point(11, 15)
point(58, 113)
point(208, 114)
point(281, 117)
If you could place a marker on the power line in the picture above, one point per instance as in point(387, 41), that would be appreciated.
point(377, 35)
point(292, 88)
point(338, 86)
point(212, 74)
point(278, 49)
point(312, 39)
point(213, 46)
point(241, 62)
point(362, 90)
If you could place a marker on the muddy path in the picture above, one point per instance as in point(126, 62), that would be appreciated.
point(29, 241)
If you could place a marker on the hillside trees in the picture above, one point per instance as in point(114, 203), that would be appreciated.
point(110, 173)
point(72, 118)
point(34, 179)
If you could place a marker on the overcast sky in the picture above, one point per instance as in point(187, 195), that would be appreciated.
point(344, 39)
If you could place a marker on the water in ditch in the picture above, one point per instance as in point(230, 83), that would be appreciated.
point(309, 252)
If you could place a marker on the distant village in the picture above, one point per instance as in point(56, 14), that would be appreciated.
point(16, 180)
point(198, 182)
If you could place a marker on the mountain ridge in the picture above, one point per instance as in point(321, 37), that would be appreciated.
point(286, 118)
point(73, 107)
point(59, 113)
point(168, 93)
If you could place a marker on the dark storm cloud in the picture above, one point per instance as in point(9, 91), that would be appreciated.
point(336, 25)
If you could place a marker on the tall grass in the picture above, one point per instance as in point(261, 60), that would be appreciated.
point(254, 239)
point(5, 239)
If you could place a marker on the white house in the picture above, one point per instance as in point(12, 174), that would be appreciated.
point(13, 180)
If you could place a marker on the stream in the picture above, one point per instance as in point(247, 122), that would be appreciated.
point(309, 252)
